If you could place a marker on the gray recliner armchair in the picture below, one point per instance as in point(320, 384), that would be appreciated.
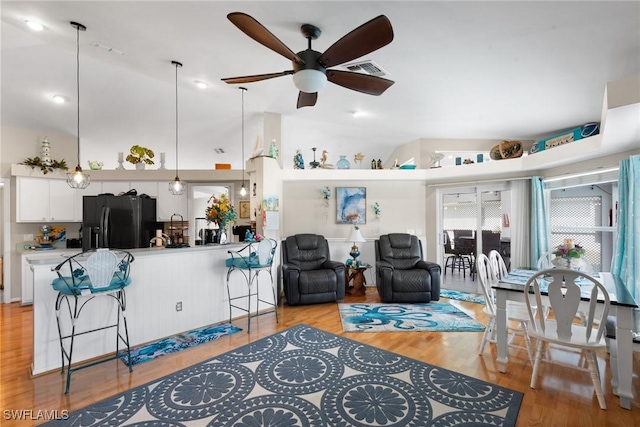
point(402, 274)
point(308, 274)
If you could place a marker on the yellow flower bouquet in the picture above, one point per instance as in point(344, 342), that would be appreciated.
point(220, 211)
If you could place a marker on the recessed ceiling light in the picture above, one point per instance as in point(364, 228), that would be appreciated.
point(60, 99)
point(357, 114)
point(201, 84)
point(34, 25)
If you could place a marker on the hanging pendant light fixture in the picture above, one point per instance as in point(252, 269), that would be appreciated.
point(176, 187)
point(78, 179)
point(243, 189)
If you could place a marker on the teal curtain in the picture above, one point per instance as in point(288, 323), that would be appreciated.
point(539, 221)
point(626, 258)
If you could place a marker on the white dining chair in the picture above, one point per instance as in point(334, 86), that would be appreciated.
point(544, 262)
point(499, 268)
point(565, 288)
point(515, 313)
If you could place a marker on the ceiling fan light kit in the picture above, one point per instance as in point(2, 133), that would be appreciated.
point(311, 68)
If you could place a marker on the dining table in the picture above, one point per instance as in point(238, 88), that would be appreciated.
point(622, 305)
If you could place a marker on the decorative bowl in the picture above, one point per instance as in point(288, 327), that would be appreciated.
point(95, 165)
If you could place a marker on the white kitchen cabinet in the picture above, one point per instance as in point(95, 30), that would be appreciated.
point(44, 200)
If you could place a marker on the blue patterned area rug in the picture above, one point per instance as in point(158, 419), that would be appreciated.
point(462, 296)
point(307, 377)
point(178, 342)
point(433, 316)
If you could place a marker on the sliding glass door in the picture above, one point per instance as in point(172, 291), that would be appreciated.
point(472, 216)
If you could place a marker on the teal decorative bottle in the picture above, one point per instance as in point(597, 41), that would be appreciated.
point(343, 163)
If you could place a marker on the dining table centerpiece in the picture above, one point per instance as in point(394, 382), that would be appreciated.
point(221, 211)
point(570, 255)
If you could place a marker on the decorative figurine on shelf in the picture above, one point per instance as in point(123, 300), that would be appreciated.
point(273, 150)
point(258, 149)
point(467, 162)
point(379, 164)
point(435, 159)
point(298, 161)
point(373, 164)
point(357, 159)
point(323, 159)
point(162, 161)
point(314, 164)
point(46, 152)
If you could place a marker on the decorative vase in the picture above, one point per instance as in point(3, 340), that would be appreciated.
point(343, 163)
point(222, 233)
point(140, 166)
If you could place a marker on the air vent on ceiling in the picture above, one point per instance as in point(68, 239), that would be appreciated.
point(366, 67)
point(107, 48)
point(219, 150)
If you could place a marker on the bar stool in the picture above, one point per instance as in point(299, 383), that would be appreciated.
point(251, 263)
point(81, 279)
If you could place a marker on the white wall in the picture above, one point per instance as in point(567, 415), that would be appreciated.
point(402, 204)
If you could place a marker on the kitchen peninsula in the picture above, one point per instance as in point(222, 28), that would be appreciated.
point(171, 291)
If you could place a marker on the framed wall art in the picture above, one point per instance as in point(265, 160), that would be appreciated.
point(245, 209)
point(351, 204)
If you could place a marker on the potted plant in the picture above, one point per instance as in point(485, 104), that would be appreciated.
point(140, 156)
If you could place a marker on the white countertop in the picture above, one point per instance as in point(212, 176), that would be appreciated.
point(54, 256)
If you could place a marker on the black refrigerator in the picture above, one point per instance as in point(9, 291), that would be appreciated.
point(118, 222)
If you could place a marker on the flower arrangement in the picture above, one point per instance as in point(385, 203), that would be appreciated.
point(569, 250)
point(220, 211)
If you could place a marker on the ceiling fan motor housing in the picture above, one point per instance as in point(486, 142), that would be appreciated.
point(311, 76)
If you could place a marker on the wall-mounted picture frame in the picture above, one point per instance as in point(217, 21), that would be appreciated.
point(245, 209)
point(351, 205)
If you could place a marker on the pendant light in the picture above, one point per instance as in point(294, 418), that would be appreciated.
point(78, 179)
point(243, 189)
point(176, 187)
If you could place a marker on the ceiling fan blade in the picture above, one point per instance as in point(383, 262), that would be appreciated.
point(255, 78)
point(259, 33)
point(363, 40)
point(364, 83)
point(307, 99)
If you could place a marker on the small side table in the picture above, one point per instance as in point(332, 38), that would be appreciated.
point(355, 274)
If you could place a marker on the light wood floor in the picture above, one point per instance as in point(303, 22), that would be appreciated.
point(563, 398)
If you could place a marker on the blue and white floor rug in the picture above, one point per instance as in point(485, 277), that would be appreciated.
point(178, 342)
point(304, 376)
point(432, 316)
point(462, 296)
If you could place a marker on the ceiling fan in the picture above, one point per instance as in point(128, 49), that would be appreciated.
point(311, 68)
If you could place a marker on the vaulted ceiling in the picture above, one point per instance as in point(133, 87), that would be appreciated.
point(462, 70)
